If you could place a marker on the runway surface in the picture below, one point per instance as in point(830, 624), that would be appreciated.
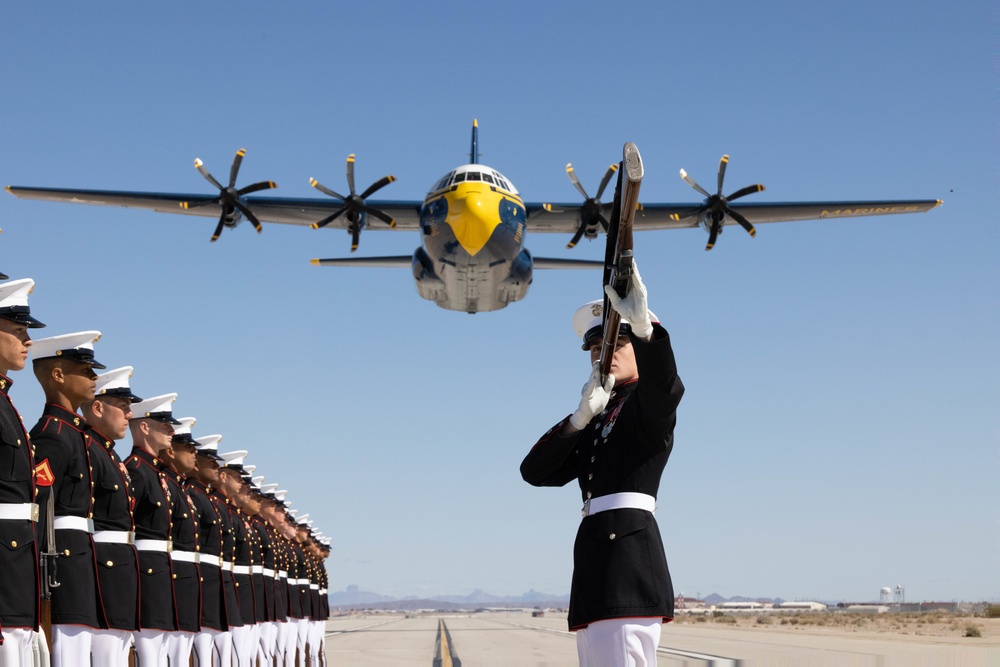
point(519, 639)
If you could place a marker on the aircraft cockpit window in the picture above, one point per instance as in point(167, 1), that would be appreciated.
point(474, 176)
point(488, 178)
point(459, 177)
point(503, 183)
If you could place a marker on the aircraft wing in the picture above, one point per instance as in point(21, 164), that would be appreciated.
point(565, 218)
point(283, 210)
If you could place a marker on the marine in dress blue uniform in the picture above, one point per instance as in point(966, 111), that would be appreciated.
point(152, 430)
point(107, 418)
point(233, 485)
point(19, 584)
point(616, 446)
point(64, 366)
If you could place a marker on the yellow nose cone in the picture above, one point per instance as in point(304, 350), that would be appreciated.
point(473, 214)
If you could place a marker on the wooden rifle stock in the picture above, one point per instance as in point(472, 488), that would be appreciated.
point(618, 253)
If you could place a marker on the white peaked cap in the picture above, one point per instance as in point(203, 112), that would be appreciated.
point(303, 520)
point(77, 346)
point(280, 495)
point(257, 480)
point(234, 459)
point(15, 292)
point(249, 469)
point(268, 488)
point(293, 513)
point(208, 443)
point(184, 428)
point(157, 407)
point(115, 383)
point(591, 315)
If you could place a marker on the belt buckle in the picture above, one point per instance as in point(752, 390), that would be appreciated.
point(170, 546)
point(90, 526)
point(586, 507)
point(131, 537)
point(34, 512)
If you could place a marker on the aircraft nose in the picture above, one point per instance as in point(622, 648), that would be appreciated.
point(473, 214)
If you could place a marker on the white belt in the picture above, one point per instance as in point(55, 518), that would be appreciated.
point(282, 574)
point(617, 501)
point(22, 512)
point(314, 587)
point(268, 573)
point(241, 569)
point(209, 559)
point(73, 523)
point(184, 556)
point(115, 536)
point(227, 565)
point(322, 591)
point(256, 569)
point(163, 546)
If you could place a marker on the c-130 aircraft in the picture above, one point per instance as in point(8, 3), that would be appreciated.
point(472, 222)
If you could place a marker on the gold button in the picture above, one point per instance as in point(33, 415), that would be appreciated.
point(237, 584)
point(611, 536)
point(116, 487)
point(66, 552)
point(13, 544)
point(174, 576)
point(201, 578)
point(109, 563)
point(157, 503)
point(149, 571)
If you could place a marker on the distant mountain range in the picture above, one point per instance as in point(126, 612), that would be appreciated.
point(354, 598)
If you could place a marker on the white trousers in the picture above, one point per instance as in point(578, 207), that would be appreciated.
point(110, 647)
point(16, 650)
point(213, 648)
point(286, 642)
point(243, 649)
point(268, 641)
point(315, 639)
point(179, 645)
point(71, 645)
point(301, 637)
point(151, 648)
point(619, 642)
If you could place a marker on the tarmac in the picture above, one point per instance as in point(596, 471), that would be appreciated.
point(518, 638)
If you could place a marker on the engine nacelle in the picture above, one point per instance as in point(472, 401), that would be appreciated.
point(515, 285)
point(429, 285)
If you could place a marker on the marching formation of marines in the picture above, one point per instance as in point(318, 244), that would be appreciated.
point(178, 553)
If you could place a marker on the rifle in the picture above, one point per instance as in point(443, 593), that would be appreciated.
point(48, 568)
point(618, 252)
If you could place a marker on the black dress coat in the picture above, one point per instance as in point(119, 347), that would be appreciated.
point(19, 585)
point(184, 533)
point(152, 522)
point(620, 569)
point(209, 543)
point(117, 564)
point(61, 449)
point(233, 616)
point(244, 582)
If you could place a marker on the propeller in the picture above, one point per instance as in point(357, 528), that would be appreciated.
point(716, 207)
point(229, 197)
point(590, 212)
point(354, 204)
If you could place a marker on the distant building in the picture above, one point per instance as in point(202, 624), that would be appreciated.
point(800, 606)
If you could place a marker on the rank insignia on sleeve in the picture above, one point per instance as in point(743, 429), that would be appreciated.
point(43, 474)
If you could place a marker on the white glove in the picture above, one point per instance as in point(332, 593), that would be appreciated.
point(593, 398)
point(633, 307)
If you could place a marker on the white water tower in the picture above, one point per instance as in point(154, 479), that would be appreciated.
point(885, 595)
point(900, 595)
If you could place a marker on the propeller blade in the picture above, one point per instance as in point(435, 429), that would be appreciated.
point(350, 172)
point(604, 221)
point(722, 171)
point(576, 237)
point(712, 235)
point(690, 181)
point(328, 219)
point(686, 214)
point(325, 190)
point(196, 204)
point(235, 170)
point(249, 215)
point(381, 216)
point(257, 187)
point(604, 181)
point(576, 182)
point(218, 228)
point(743, 192)
point(355, 237)
point(377, 185)
point(743, 222)
point(200, 166)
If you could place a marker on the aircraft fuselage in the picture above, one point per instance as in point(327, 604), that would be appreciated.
point(472, 232)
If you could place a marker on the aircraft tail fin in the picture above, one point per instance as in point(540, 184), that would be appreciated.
point(474, 152)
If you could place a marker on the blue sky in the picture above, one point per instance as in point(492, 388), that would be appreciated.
point(839, 431)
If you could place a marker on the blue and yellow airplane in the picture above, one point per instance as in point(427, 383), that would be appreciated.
point(472, 223)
